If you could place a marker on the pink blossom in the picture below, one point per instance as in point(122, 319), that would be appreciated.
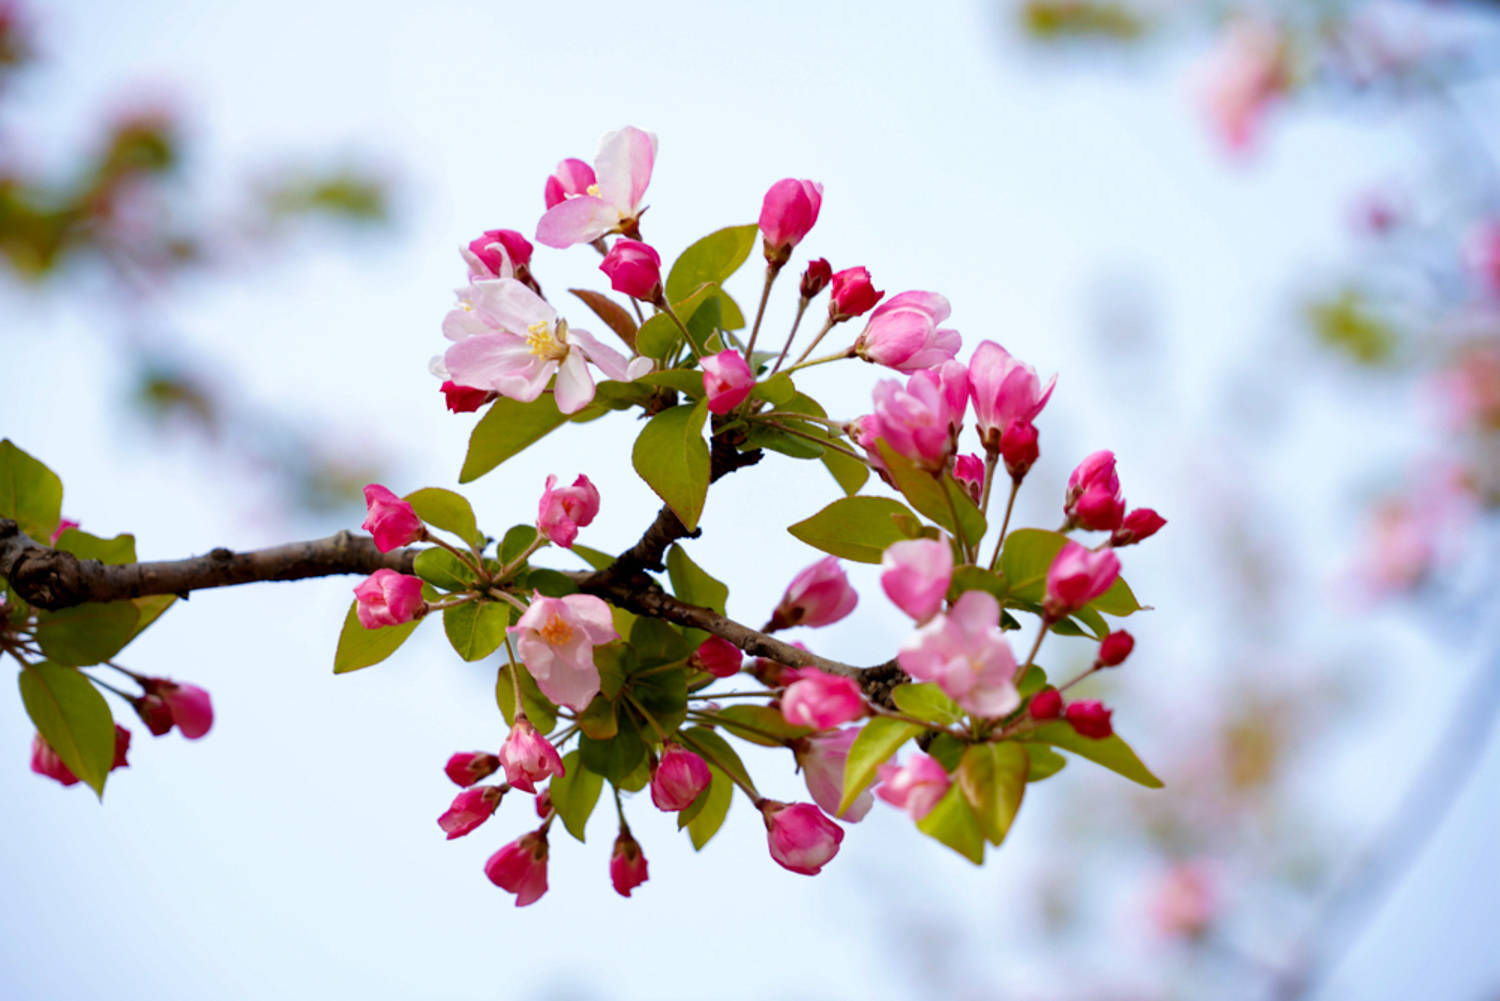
point(787, 214)
point(634, 268)
point(1094, 501)
point(498, 253)
point(464, 399)
point(528, 757)
point(57, 533)
point(816, 278)
point(1046, 704)
point(556, 639)
point(468, 767)
point(470, 808)
point(387, 598)
point(612, 203)
point(968, 470)
point(1114, 648)
point(966, 654)
point(1137, 526)
point(915, 785)
point(1004, 391)
point(571, 178)
point(564, 510)
point(818, 596)
point(1090, 719)
point(627, 864)
point(800, 837)
point(727, 380)
point(853, 294)
point(191, 708)
point(718, 657)
point(521, 867)
point(1018, 448)
point(1242, 76)
point(903, 333)
point(122, 747)
point(154, 712)
point(1078, 576)
point(819, 700)
point(915, 574)
point(922, 420)
point(46, 761)
point(822, 758)
point(509, 340)
point(680, 777)
point(391, 520)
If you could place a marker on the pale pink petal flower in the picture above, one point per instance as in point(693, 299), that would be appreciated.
point(562, 511)
point(800, 837)
point(528, 757)
point(727, 380)
point(622, 169)
point(919, 420)
point(903, 333)
point(915, 785)
point(819, 700)
point(818, 596)
point(572, 178)
point(556, 639)
point(787, 214)
point(915, 575)
point(1004, 391)
point(680, 777)
point(822, 758)
point(966, 654)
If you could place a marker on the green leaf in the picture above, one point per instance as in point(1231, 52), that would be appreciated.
point(993, 780)
point(86, 634)
point(477, 628)
point(711, 259)
point(593, 557)
point(617, 757)
point(30, 493)
point(613, 661)
point(1043, 762)
point(664, 696)
point(848, 472)
point(658, 337)
point(706, 320)
point(1025, 560)
point(638, 779)
point(684, 380)
point(551, 583)
point(1033, 681)
point(120, 549)
point(692, 584)
point(855, 528)
point(715, 808)
point(947, 750)
point(877, 741)
point(716, 751)
point(760, 725)
point(360, 647)
point(953, 823)
point(537, 707)
point(759, 435)
point(599, 719)
point(1111, 752)
point(507, 428)
point(776, 390)
point(446, 510)
point(517, 539)
point(672, 458)
point(1118, 600)
point(574, 793)
point(972, 578)
point(73, 718)
point(442, 569)
point(927, 702)
point(657, 642)
point(151, 608)
point(935, 496)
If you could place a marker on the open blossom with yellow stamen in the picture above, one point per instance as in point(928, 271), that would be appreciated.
point(556, 638)
point(583, 205)
point(511, 341)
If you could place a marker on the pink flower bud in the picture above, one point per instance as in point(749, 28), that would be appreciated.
point(465, 399)
point(727, 380)
point(1005, 392)
point(1046, 704)
point(915, 785)
point(562, 511)
point(904, 334)
point(1090, 719)
point(1018, 448)
point(822, 759)
point(800, 837)
point(543, 803)
point(521, 867)
point(528, 757)
point(1115, 648)
point(468, 767)
point(921, 421)
point(154, 712)
point(718, 657)
point(627, 864)
point(680, 777)
point(387, 598)
point(45, 761)
point(571, 179)
point(816, 278)
point(1093, 501)
point(915, 574)
point(1078, 576)
point(470, 808)
point(190, 706)
point(787, 214)
point(968, 470)
point(62, 526)
point(634, 268)
point(818, 596)
point(391, 520)
point(1138, 525)
point(820, 700)
point(122, 746)
point(853, 294)
point(501, 253)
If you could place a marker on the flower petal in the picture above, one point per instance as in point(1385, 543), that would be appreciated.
point(623, 167)
point(577, 220)
point(575, 386)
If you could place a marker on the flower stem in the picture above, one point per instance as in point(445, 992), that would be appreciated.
point(990, 462)
point(1041, 634)
point(515, 679)
point(464, 557)
point(511, 567)
point(666, 307)
point(826, 443)
point(772, 270)
point(713, 760)
point(1015, 488)
point(802, 302)
point(816, 339)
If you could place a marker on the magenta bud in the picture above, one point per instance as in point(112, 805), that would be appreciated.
point(1046, 704)
point(1090, 719)
point(1138, 525)
point(627, 864)
point(1018, 447)
point(468, 767)
point(1115, 648)
point(816, 278)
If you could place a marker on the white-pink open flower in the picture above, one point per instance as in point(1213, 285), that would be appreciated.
point(556, 639)
point(822, 759)
point(612, 203)
point(915, 574)
point(966, 654)
point(511, 341)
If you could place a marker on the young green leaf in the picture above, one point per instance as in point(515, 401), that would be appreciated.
point(716, 751)
point(927, 702)
point(477, 628)
point(1111, 752)
point(712, 259)
point(1043, 762)
point(760, 725)
point(446, 510)
point(507, 428)
point(617, 757)
point(574, 793)
point(877, 741)
point(952, 822)
point(615, 316)
point(30, 493)
point(86, 634)
point(672, 458)
point(72, 718)
point(938, 497)
point(442, 569)
point(855, 528)
point(537, 707)
point(993, 780)
point(360, 647)
point(120, 549)
point(692, 584)
point(711, 815)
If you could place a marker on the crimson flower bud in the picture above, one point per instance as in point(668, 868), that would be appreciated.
point(634, 268)
point(727, 380)
point(190, 706)
point(969, 471)
point(1078, 576)
point(469, 809)
point(718, 657)
point(154, 712)
point(1046, 704)
point(465, 399)
point(391, 520)
point(1090, 719)
point(469, 767)
point(680, 778)
point(1093, 500)
point(1018, 447)
point(853, 294)
point(388, 598)
point(543, 803)
point(816, 278)
point(627, 864)
point(1139, 525)
point(787, 213)
point(521, 867)
point(1115, 648)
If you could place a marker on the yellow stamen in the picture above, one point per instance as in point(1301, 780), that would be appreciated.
point(548, 342)
point(593, 189)
point(556, 632)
